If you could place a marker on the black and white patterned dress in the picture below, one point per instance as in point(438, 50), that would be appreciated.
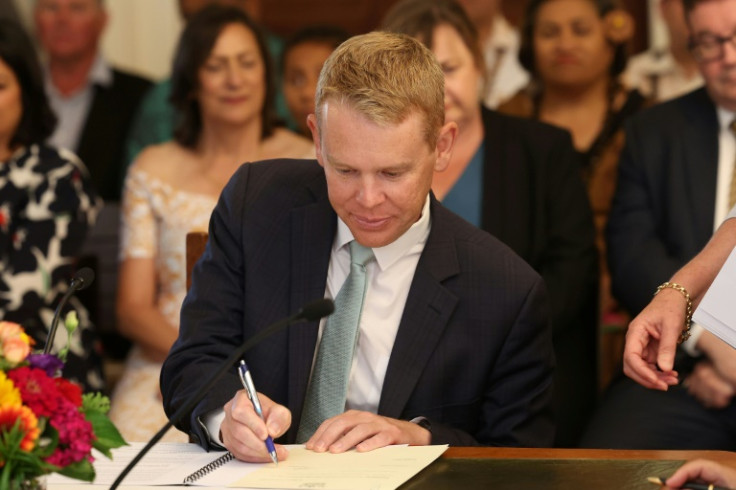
point(47, 205)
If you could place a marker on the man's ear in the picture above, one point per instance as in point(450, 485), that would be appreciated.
point(445, 144)
point(314, 129)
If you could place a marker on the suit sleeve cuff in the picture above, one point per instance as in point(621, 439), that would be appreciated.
point(422, 422)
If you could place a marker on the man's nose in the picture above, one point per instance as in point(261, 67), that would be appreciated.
point(371, 193)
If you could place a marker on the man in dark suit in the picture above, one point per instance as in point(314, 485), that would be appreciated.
point(672, 193)
point(454, 344)
point(95, 102)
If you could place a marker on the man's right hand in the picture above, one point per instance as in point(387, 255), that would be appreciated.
point(703, 470)
point(243, 432)
point(651, 341)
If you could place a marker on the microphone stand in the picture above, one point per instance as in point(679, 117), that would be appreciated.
point(55, 324)
point(227, 364)
point(81, 280)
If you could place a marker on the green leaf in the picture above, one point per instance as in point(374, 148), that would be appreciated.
point(20, 465)
point(107, 434)
point(95, 401)
point(81, 470)
point(48, 441)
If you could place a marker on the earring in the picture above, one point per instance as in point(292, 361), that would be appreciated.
point(619, 26)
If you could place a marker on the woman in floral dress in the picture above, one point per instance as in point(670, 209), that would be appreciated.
point(47, 205)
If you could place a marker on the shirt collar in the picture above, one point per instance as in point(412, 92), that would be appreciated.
point(100, 73)
point(725, 117)
point(389, 254)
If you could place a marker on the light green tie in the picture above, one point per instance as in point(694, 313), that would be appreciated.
point(328, 388)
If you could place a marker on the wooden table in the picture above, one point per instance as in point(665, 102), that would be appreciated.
point(465, 468)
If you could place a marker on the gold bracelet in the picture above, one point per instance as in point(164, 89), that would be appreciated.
point(688, 308)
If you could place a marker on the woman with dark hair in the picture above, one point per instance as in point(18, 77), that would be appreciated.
point(47, 205)
point(575, 51)
point(222, 85)
point(520, 181)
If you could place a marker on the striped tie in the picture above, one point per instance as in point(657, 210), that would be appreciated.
point(328, 388)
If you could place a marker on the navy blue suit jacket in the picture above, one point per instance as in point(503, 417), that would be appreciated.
point(664, 205)
point(473, 351)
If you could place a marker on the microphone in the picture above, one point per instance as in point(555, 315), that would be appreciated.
point(81, 280)
point(310, 312)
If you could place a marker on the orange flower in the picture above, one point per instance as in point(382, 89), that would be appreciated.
point(9, 330)
point(28, 424)
point(15, 344)
point(15, 350)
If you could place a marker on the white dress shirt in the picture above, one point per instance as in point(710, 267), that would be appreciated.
point(389, 280)
point(72, 110)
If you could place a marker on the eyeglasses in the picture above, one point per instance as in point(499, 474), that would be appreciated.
point(710, 47)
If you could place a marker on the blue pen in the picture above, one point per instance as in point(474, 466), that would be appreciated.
point(250, 388)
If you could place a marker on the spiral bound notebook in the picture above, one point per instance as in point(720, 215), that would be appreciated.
point(208, 468)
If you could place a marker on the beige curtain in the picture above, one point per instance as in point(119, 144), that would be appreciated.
point(142, 34)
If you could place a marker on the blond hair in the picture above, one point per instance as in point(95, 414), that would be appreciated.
point(385, 77)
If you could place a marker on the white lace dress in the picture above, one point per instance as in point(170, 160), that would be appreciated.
point(156, 219)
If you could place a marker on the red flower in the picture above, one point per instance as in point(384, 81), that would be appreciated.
point(37, 390)
point(70, 391)
point(75, 435)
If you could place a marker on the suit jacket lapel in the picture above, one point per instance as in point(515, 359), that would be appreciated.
point(313, 230)
point(701, 161)
point(426, 315)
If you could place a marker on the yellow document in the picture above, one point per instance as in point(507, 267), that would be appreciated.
point(381, 469)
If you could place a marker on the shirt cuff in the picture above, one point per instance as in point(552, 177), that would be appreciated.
point(690, 345)
point(211, 422)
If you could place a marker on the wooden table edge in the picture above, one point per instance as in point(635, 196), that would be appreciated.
point(725, 457)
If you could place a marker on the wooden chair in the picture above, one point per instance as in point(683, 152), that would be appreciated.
point(196, 243)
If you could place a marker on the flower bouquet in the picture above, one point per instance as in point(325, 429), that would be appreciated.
point(46, 424)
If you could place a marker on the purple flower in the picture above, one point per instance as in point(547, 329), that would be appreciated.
point(48, 362)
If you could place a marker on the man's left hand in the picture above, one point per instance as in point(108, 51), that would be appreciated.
point(708, 387)
point(365, 431)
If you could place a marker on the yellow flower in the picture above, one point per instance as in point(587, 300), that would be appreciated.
point(9, 394)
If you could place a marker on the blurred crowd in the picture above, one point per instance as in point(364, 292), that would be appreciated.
point(605, 172)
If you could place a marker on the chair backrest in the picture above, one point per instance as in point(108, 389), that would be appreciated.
point(196, 243)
